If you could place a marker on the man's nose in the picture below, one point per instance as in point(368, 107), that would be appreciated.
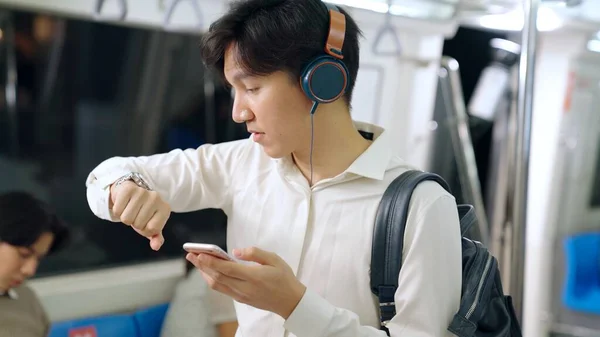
point(242, 115)
point(29, 267)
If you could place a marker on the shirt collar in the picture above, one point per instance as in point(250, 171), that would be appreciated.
point(370, 164)
point(375, 160)
point(11, 293)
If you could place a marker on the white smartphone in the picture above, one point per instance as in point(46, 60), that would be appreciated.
point(210, 249)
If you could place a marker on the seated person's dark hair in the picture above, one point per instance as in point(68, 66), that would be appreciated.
point(23, 219)
point(278, 35)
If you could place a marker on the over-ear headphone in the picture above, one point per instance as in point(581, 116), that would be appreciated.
point(325, 79)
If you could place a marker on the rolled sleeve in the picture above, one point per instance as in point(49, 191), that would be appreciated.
point(98, 192)
point(188, 180)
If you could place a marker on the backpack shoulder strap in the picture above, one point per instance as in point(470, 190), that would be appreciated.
point(388, 237)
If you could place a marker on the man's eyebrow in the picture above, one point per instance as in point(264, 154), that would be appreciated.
point(238, 76)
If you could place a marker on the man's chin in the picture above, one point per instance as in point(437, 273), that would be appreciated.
point(274, 153)
point(3, 287)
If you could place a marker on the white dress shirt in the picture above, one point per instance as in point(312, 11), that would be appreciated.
point(324, 233)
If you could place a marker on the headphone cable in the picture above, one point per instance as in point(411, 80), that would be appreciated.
point(312, 138)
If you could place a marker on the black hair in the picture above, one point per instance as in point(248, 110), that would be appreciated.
point(23, 219)
point(278, 35)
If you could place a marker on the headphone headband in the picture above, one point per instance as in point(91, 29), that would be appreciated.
point(337, 32)
point(325, 78)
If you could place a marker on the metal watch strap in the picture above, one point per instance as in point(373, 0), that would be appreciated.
point(136, 178)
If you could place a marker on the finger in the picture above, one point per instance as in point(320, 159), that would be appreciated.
point(216, 278)
point(222, 288)
point(112, 194)
point(131, 211)
point(228, 268)
point(121, 199)
point(257, 255)
point(212, 274)
point(154, 228)
point(157, 241)
point(156, 224)
point(144, 215)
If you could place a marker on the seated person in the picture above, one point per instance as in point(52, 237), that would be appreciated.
point(198, 311)
point(29, 231)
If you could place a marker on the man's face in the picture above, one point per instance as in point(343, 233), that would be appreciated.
point(274, 108)
point(20, 263)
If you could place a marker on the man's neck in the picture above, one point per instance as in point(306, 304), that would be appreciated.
point(337, 144)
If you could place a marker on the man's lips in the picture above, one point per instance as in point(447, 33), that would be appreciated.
point(257, 136)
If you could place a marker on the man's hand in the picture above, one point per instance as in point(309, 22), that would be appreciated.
point(141, 209)
point(271, 285)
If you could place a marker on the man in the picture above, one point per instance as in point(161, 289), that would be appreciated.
point(29, 231)
point(301, 194)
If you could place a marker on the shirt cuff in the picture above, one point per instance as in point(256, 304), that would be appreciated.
point(98, 192)
point(311, 317)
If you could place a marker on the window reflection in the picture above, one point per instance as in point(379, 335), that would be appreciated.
point(88, 91)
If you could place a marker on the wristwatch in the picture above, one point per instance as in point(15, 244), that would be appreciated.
point(136, 178)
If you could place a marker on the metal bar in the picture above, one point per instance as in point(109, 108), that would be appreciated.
point(523, 143)
point(387, 28)
point(97, 13)
point(10, 90)
point(56, 52)
point(210, 109)
point(463, 145)
point(171, 9)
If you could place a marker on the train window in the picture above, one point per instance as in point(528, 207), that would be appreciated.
point(87, 91)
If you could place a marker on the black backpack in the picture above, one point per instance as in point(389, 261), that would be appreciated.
point(484, 309)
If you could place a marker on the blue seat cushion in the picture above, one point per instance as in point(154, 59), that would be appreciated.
point(105, 326)
point(581, 290)
point(149, 321)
